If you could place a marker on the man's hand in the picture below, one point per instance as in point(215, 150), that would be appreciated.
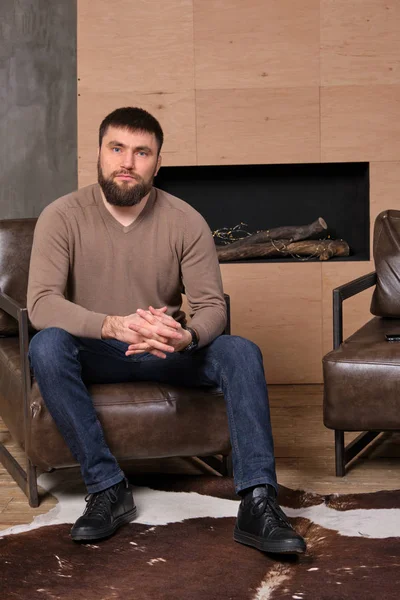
point(160, 323)
point(150, 331)
point(121, 328)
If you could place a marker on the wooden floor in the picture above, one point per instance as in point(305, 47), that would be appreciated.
point(304, 453)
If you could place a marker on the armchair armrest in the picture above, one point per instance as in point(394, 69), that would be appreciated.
point(10, 306)
point(340, 294)
point(227, 329)
point(20, 313)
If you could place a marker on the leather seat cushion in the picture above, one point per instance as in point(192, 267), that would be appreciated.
point(362, 380)
point(140, 420)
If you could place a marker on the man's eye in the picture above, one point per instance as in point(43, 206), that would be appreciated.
point(142, 153)
point(116, 149)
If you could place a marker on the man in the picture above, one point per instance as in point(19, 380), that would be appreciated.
point(107, 268)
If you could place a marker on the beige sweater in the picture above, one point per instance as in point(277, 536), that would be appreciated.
point(86, 265)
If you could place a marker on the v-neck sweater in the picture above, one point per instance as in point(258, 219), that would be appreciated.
point(86, 265)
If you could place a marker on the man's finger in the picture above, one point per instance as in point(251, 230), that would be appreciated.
point(139, 346)
point(156, 321)
point(149, 333)
point(149, 346)
point(158, 345)
point(156, 332)
point(158, 354)
point(162, 309)
point(166, 319)
point(147, 316)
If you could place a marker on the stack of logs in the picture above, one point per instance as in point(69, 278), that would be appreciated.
point(291, 241)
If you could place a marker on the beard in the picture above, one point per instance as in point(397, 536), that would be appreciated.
point(125, 193)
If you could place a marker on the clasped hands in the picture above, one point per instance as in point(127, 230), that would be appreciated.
point(151, 331)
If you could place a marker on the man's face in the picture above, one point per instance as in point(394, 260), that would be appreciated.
point(128, 162)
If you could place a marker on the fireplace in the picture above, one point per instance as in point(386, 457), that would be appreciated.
point(268, 196)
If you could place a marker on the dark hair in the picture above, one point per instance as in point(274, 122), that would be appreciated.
point(134, 119)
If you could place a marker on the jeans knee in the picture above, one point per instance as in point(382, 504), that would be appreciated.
point(48, 344)
point(240, 346)
point(246, 347)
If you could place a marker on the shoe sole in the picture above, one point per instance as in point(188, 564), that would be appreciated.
point(287, 547)
point(107, 531)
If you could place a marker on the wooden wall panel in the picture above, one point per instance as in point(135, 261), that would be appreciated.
point(360, 123)
point(256, 44)
point(121, 64)
point(384, 190)
point(266, 126)
point(278, 306)
point(360, 42)
point(175, 111)
point(384, 187)
point(136, 46)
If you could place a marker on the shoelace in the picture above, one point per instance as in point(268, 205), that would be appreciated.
point(98, 505)
point(276, 516)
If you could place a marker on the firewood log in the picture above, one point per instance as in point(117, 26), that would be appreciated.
point(323, 249)
point(292, 233)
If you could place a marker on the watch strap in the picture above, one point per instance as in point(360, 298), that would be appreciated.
point(195, 340)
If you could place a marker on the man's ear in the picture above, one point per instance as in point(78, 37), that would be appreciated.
point(159, 161)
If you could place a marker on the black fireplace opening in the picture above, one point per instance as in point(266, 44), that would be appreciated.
point(269, 196)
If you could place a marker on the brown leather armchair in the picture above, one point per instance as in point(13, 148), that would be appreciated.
point(140, 420)
point(362, 374)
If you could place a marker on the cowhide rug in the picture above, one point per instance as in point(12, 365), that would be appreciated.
point(181, 547)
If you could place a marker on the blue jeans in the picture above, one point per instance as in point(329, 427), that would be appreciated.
point(63, 364)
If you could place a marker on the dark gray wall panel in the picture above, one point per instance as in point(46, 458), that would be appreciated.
point(38, 114)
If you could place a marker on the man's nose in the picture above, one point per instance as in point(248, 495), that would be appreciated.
point(128, 160)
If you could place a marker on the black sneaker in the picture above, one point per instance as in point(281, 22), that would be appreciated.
point(105, 512)
point(261, 523)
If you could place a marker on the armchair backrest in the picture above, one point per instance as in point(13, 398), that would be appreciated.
point(386, 297)
point(16, 237)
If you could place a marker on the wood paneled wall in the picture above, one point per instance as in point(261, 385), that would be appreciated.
point(263, 81)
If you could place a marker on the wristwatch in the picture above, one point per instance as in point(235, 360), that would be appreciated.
point(195, 340)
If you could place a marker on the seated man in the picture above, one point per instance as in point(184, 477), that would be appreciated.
point(107, 269)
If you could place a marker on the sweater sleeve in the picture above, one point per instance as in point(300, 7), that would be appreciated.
point(201, 277)
point(48, 277)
